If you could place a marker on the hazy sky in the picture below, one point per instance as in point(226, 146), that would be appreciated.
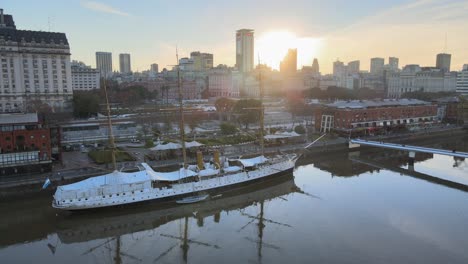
point(414, 31)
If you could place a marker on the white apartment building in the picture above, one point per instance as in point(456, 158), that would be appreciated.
point(34, 65)
point(414, 78)
point(221, 83)
point(186, 64)
point(84, 78)
point(462, 80)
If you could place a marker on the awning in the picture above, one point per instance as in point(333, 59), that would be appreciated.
point(193, 144)
point(253, 161)
point(282, 135)
point(167, 146)
point(168, 176)
point(171, 145)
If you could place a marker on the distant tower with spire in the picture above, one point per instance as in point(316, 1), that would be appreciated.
point(315, 66)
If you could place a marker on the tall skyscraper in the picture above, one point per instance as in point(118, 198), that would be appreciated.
point(443, 61)
point(338, 68)
point(289, 64)
point(377, 65)
point(245, 50)
point(154, 67)
point(393, 63)
point(125, 65)
point(354, 67)
point(104, 63)
point(34, 65)
point(315, 66)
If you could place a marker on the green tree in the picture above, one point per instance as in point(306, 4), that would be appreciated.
point(205, 94)
point(299, 129)
point(366, 93)
point(228, 128)
point(334, 92)
point(194, 120)
point(315, 93)
point(426, 96)
point(248, 111)
point(224, 104)
point(85, 103)
point(224, 107)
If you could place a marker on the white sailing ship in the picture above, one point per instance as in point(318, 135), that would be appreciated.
point(120, 188)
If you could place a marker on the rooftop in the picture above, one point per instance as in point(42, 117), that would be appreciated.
point(11, 33)
point(30, 36)
point(9, 119)
point(358, 104)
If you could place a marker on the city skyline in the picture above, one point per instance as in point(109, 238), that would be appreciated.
point(353, 33)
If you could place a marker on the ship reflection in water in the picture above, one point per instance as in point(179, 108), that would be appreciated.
point(370, 206)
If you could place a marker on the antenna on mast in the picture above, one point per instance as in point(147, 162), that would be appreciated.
point(181, 111)
point(445, 45)
point(262, 109)
point(109, 124)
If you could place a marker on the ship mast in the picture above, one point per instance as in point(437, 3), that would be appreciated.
point(262, 124)
point(109, 123)
point(181, 112)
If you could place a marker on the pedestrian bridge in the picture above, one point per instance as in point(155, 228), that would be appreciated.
point(409, 148)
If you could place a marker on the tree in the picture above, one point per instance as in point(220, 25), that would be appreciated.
point(39, 107)
point(205, 94)
point(224, 106)
point(366, 93)
point(299, 129)
point(156, 132)
point(228, 128)
point(335, 92)
point(248, 111)
point(426, 96)
point(85, 103)
point(194, 120)
point(133, 95)
point(297, 107)
point(316, 93)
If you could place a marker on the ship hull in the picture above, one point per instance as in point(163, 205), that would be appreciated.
point(214, 190)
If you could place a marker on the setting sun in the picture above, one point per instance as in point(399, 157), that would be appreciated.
point(271, 47)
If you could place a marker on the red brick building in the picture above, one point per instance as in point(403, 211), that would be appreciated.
point(25, 145)
point(448, 108)
point(371, 115)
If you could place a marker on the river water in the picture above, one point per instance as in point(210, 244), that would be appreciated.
point(361, 207)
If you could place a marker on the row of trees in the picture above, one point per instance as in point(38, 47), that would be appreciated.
point(86, 103)
point(245, 112)
point(334, 92)
point(425, 96)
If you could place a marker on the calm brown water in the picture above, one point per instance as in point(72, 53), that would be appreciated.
point(337, 208)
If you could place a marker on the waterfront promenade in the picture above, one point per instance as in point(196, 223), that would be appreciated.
point(77, 166)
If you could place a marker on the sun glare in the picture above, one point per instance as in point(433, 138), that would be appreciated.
point(273, 46)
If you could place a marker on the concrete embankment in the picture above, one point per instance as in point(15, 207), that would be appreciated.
point(31, 185)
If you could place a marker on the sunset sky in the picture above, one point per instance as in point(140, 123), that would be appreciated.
point(414, 31)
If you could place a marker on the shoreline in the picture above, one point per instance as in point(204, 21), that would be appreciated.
point(31, 185)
